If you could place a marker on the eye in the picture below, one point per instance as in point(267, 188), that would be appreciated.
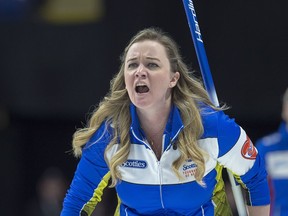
point(152, 65)
point(132, 65)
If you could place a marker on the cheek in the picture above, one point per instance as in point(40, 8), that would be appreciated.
point(163, 81)
point(128, 81)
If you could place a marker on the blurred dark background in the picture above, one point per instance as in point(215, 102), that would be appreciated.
point(58, 56)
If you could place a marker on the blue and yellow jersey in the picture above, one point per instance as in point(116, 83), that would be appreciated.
point(150, 187)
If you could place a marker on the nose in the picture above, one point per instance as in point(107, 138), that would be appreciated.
point(141, 72)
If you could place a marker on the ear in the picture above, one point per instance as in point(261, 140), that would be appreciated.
point(174, 79)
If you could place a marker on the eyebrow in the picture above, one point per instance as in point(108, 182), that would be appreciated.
point(149, 58)
point(153, 58)
point(131, 59)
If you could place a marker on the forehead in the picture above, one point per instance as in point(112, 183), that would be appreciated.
point(146, 48)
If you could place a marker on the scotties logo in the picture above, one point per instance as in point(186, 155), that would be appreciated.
point(248, 150)
point(189, 169)
point(135, 164)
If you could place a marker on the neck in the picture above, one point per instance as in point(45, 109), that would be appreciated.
point(154, 121)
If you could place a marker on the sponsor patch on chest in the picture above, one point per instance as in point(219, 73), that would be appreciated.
point(141, 164)
point(189, 169)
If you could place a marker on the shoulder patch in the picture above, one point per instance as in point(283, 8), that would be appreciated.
point(248, 150)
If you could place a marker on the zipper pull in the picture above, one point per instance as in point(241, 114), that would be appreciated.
point(174, 144)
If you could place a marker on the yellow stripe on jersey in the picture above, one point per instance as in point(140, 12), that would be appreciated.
point(96, 198)
point(117, 211)
point(219, 195)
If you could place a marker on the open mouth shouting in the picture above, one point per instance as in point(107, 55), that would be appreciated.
point(141, 88)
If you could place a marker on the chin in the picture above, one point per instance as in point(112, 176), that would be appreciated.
point(141, 104)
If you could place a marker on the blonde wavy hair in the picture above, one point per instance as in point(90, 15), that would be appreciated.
point(114, 108)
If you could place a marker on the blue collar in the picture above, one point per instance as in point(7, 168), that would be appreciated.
point(173, 127)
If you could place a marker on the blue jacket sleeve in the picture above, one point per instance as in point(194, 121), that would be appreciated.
point(90, 178)
point(239, 155)
point(255, 180)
